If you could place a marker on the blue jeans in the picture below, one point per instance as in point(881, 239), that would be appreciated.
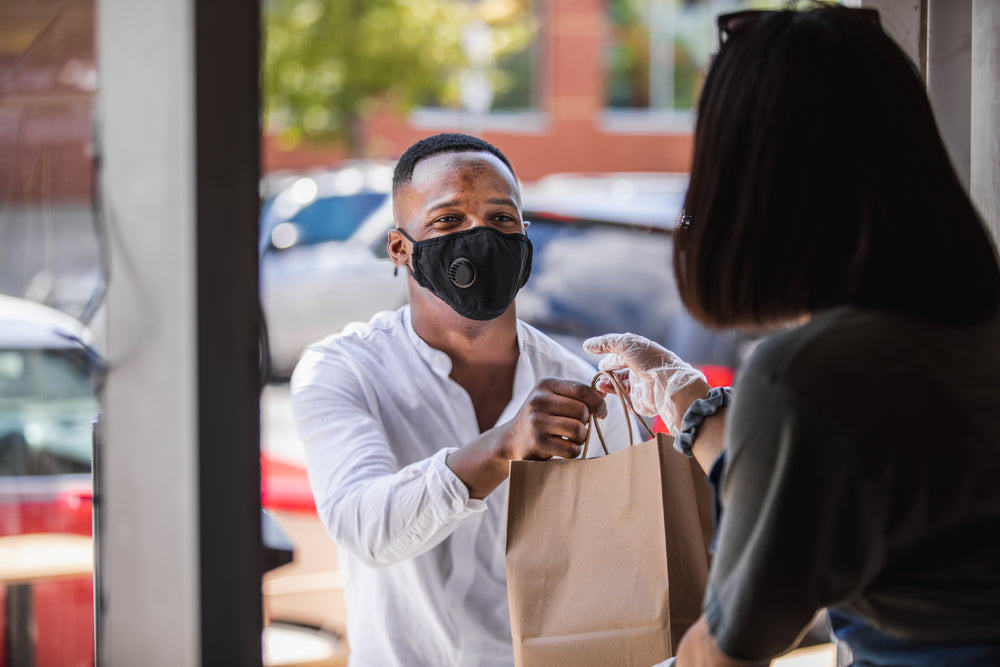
point(872, 648)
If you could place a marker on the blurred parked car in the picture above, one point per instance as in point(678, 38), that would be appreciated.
point(602, 263)
point(637, 198)
point(603, 250)
point(49, 377)
point(307, 259)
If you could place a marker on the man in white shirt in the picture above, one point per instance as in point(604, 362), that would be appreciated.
point(410, 420)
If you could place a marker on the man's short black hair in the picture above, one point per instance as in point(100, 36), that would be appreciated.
point(448, 142)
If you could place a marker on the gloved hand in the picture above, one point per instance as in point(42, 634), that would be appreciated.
point(651, 372)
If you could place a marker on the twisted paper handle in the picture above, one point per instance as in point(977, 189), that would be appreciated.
point(627, 407)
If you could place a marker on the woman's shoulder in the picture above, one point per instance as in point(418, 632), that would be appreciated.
point(851, 348)
point(799, 347)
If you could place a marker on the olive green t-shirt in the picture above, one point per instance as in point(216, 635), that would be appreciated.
point(862, 470)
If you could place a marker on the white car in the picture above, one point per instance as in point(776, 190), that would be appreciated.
point(316, 272)
point(49, 376)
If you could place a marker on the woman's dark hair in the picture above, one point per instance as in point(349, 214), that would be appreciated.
point(819, 179)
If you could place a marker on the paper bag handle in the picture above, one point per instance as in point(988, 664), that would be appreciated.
point(627, 407)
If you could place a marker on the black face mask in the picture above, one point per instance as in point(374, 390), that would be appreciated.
point(476, 271)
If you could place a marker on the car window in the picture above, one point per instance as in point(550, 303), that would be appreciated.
point(334, 218)
point(47, 403)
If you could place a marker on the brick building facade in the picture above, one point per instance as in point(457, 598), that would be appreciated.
point(570, 131)
point(47, 111)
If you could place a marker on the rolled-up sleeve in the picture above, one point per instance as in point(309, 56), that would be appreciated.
point(380, 512)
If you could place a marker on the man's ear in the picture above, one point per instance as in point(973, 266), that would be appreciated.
point(398, 250)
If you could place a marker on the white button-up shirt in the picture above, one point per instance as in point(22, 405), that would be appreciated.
point(423, 564)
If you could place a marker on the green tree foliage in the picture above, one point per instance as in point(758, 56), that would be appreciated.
point(326, 62)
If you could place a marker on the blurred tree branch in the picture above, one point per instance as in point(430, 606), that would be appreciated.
point(326, 62)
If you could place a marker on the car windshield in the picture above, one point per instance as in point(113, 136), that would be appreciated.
point(47, 403)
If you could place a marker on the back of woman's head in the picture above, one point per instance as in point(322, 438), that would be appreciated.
point(820, 179)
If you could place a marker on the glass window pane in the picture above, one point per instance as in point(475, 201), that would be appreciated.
point(50, 271)
point(658, 52)
point(627, 56)
point(517, 59)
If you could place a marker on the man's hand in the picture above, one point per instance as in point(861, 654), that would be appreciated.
point(551, 422)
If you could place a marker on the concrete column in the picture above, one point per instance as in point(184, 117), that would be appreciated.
point(985, 152)
point(148, 574)
point(906, 22)
point(180, 559)
point(949, 77)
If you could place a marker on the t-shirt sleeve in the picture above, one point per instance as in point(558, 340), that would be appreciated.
point(800, 526)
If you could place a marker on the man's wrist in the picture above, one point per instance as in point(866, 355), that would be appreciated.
point(481, 464)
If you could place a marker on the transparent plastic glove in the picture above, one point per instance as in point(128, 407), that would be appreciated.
point(651, 372)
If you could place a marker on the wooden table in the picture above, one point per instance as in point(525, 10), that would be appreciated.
point(25, 559)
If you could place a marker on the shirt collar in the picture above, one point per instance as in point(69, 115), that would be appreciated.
point(441, 364)
point(437, 360)
point(524, 376)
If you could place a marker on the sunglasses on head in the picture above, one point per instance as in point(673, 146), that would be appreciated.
point(732, 23)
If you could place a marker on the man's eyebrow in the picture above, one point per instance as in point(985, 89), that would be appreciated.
point(498, 201)
point(443, 204)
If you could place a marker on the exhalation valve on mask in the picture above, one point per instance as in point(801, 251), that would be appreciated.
point(462, 272)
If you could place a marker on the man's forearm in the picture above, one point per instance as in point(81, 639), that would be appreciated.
point(389, 518)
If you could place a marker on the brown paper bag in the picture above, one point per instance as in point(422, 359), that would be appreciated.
point(607, 558)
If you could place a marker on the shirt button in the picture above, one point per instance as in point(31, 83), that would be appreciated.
point(457, 504)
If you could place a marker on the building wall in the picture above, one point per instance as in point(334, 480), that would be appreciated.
point(570, 132)
point(47, 112)
point(46, 104)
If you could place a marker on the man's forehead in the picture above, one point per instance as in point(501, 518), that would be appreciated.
point(430, 167)
point(431, 174)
